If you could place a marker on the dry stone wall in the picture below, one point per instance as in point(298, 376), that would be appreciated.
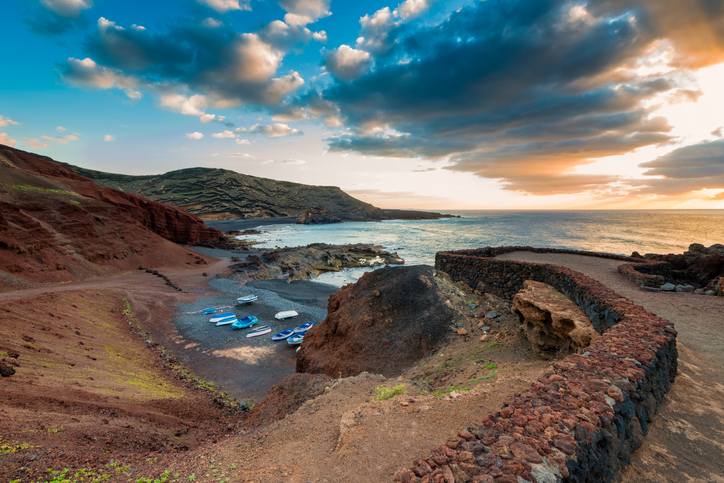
point(580, 421)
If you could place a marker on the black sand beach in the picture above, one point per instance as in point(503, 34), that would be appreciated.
point(241, 225)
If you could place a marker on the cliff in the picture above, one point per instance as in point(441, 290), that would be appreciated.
point(221, 194)
point(56, 225)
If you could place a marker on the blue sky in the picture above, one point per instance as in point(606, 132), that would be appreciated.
point(447, 104)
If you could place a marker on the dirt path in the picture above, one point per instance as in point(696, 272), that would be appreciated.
point(686, 440)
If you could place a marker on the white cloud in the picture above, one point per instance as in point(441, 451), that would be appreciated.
point(34, 143)
point(67, 8)
point(60, 128)
point(320, 36)
point(109, 138)
point(256, 61)
point(71, 137)
point(303, 12)
point(412, 8)
point(347, 63)
point(224, 135)
point(206, 118)
point(86, 73)
point(7, 140)
point(241, 155)
point(194, 135)
point(6, 121)
point(189, 106)
point(223, 6)
point(54, 140)
point(211, 23)
point(274, 130)
point(242, 141)
point(294, 161)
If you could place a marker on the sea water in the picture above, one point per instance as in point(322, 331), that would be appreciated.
point(417, 241)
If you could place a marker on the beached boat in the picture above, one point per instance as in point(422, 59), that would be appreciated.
point(246, 299)
point(295, 339)
point(219, 317)
point(283, 335)
point(257, 332)
point(287, 314)
point(302, 329)
point(208, 311)
point(227, 321)
point(245, 322)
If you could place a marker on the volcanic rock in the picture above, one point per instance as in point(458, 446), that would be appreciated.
point(553, 324)
point(384, 323)
point(317, 215)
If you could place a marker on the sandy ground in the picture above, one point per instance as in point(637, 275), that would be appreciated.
point(686, 439)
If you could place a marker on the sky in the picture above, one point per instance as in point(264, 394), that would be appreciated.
point(427, 104)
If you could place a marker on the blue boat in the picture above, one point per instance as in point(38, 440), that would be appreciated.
point(226, 321)
point(283, 335)
point(302, 329)
point(295, 339)
point(246, 299)
point(245, 322)
point(208, 311)
point(219, 317)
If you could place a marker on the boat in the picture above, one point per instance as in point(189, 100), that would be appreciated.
point(283, 335)
point(302, 329)
point(295, 339)
point(208, 311)
point(287, 314)
point(245, 322)
point(219, 317)
point(257, 332)
point(227, 321)
point(246, 299)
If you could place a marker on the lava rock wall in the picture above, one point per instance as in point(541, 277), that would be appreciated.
point(580, 421)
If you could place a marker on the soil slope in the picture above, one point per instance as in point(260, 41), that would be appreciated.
point(57, 226)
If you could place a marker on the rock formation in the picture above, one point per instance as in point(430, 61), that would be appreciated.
point(553, 324)
point(383, 324)
point(57, 226)
point(221, 194)
point(317, 215)
point(699, 265)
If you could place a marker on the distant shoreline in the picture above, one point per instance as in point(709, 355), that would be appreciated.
point(247, 224)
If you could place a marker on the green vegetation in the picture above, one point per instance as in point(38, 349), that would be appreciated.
point(385, 393)
point(13, 448)
point(45, 190)
point(445, 391)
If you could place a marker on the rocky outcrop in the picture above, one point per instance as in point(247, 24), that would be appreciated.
point(58, 226)
point(383, 324)
point(317, 215)
point(698, 266)
point(221, 194)
point(553, 324)
point(298, 263)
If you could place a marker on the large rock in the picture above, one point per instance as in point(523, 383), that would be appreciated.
point(317, 215)
point(554, 325)
point(383, 324)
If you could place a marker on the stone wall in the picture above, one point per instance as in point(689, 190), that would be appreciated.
point(580, 421)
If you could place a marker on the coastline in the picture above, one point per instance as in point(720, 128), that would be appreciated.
point(247, 224)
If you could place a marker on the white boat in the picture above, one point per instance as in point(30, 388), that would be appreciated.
point(228, 321)
point(246, 299)
point(296, 339)
point(257, 332)
point(219, 317)
point(287, 314)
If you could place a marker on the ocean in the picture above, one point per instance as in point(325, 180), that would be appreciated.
point(620, 232)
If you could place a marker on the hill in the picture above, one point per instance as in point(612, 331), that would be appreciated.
point(221, 194)
point(57, 226)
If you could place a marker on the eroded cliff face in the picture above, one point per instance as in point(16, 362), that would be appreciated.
point(57, 226)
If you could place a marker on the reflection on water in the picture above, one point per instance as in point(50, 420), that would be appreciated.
point(417, 242)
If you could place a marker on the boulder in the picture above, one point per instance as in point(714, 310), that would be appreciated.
point(317, 215)
point(553, 324)
point(383, 324)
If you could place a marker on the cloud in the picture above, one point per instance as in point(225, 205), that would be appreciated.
point(109, 138)
point(59, 128)
point(242, 141)
point(87, 73)
point(224, 135)
point(6, 121)
point(298, 162)
point(63, 140)
point(413, 8)
point(241, 155)
point(303, 12)
point(67, 8)
point(689, 168)
point(523, 92)
point(57, 17)
point(223, 6)
point(274, 130)
point(347, 63)
point(207, 118)
point(34, 143)
point(189, 106)
point(7, 140)
point(194, 135)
